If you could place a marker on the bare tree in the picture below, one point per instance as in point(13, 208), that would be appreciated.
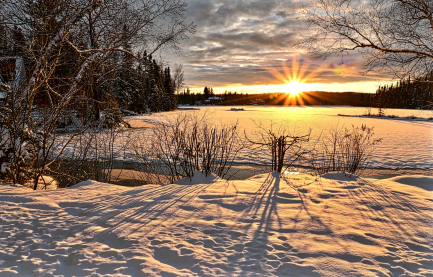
point(154, 24)
point(179, 79)
point(78, 37)
point(393, 34)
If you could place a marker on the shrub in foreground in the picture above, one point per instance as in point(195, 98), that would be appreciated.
point(344, 149)
point(281, 147)
point(187, 143)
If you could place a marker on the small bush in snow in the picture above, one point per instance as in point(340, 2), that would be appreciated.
point(188, 143)
point(284, 147)
point(344, 150)
point(18, 147)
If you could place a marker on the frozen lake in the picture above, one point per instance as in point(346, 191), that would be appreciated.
point(406, 144)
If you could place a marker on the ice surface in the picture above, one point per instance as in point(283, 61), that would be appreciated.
point(405, 143)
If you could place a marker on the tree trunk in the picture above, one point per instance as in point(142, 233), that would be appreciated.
point(280, 154)
point(96, 96)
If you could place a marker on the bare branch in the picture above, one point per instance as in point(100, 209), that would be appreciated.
point(392, 34)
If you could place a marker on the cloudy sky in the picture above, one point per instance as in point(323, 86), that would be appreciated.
point(246, 46)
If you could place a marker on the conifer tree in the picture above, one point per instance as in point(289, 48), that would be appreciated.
point(18, 42)
point(169, 90)
point(206, 93)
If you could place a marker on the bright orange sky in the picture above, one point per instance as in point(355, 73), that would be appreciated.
point(245, 46)
point(335, 87)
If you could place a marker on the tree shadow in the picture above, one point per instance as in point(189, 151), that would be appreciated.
point(264, 218)
point(129, 212)
point(383, 205)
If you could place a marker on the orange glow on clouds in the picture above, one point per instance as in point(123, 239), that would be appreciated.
point(295, 78)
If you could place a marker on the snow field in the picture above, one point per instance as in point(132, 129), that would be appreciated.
point(267, 225)
point(406, 143)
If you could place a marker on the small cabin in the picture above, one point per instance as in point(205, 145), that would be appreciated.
point(213, 100)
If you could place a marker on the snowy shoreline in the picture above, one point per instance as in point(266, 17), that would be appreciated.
point(337, 225)
point(393, 117)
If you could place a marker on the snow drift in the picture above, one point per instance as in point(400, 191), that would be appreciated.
point(267, 225)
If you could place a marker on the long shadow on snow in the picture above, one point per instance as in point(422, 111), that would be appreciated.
point(263, 209)
point(132, 211)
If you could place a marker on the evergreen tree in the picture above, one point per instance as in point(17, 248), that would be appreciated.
point(406, 94)
point(139, 95)
point(19, 42)
point(4, 45)
point(206, 93)
point(169, 90)
point(125, 86)
point(155, 100)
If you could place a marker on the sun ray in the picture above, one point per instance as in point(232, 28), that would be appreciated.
point(294, 80)
point(279, 98)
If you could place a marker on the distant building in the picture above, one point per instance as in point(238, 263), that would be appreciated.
point(213, 100)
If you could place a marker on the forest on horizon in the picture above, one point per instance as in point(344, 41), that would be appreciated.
point(405, 94)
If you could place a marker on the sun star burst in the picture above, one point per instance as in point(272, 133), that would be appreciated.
point(294, 81)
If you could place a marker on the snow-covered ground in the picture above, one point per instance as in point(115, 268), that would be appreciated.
point(406, 144)
point(337, 225)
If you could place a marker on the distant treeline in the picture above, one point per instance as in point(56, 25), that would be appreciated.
point(406, 94)
point(306, 98)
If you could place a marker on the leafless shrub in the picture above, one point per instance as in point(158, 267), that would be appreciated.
point(189, 142)
point(16, 147)
point(285, 148)
point(367, 111)
point(91, 155)
point(343, 149)
point(32, 147)
point(27, 139)
point(381, 112)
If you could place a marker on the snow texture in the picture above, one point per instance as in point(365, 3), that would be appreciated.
point(198, 178)
point(336, 225)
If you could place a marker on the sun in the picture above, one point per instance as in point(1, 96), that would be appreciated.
point(294, 87)
point(294, 81)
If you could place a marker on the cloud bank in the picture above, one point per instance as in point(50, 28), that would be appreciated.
point(241, 42)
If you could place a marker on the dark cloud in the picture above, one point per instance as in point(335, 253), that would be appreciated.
point(238, 41)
